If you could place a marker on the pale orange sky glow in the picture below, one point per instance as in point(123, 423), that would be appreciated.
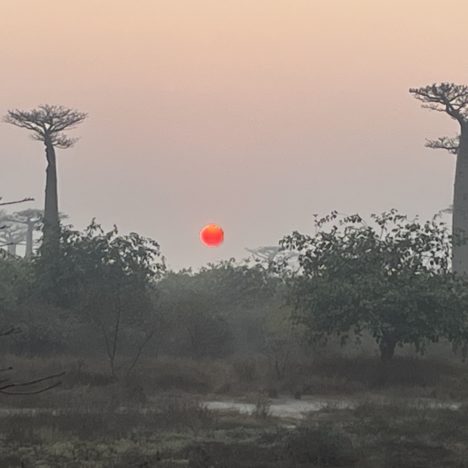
point(251, 114)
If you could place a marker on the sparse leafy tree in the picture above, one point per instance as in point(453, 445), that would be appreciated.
point(391, 279)
point(452, 99)
point(107, 279)
point(197, 324)
point(230, 282)
point(47, 124)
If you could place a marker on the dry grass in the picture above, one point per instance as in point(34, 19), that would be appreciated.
point(179, 431)
point(89, 379)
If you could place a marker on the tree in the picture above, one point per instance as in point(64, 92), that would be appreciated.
point(107, 279)
point(5, 223)
point(47, 124)
point(453, 100)
point(230, 282)
point(32, 220)
point(18, 228)
point(197, 327)
point(391, 279)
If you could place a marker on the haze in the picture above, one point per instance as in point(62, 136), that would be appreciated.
point(252, 115)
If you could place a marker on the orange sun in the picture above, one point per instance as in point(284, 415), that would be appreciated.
point(212, 235)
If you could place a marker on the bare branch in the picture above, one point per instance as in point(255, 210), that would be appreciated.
point(446, 143)
point(9, 388)
point(445, 97)
point(47, 123)
point(15, 202)
point(32, 392)
point(5, 388)
point(63, 142)
point(140, 349)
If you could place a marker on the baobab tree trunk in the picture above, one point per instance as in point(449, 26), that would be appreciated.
point(11, 249)
point(51, 217)
point(29, 239)
point(460, 207)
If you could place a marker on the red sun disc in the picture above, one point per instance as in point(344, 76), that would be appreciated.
point(212, 235)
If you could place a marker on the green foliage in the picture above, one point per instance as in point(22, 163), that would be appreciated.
point(229, 282)
point(14, 280)
point(391, 278)
point(221, 307)
point(196, 326)
point(247, 295)
point(107, 279)
point(85, 257)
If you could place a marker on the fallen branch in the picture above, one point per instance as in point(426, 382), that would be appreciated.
point(4, 389)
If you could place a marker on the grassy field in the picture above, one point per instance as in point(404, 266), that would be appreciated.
point(157, 417)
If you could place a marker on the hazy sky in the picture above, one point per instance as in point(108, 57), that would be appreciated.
point(253, 114)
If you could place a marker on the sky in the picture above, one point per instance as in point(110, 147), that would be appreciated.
point(252, 114)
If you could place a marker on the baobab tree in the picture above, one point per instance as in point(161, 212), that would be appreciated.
point(18, 228)
point(47, 124)
point(32, 220)
point(11, 235)
point(7, 385)
point(3, 216)
point(453, 100)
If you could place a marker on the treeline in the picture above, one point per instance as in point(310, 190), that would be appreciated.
point(396, 280)
point(109, 294)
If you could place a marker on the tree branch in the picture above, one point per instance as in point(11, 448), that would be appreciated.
point(446, 143)
point(17, 201)
point(5, 388)
point(445, 97)
point(47, 123)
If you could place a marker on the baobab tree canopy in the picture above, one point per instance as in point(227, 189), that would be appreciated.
point(453, 100)
point(47, 123)
point(444, 97)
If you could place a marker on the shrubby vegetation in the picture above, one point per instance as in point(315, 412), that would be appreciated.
point(136, 345)
point(129, 334)
point(114, 291)
point(390, 280)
